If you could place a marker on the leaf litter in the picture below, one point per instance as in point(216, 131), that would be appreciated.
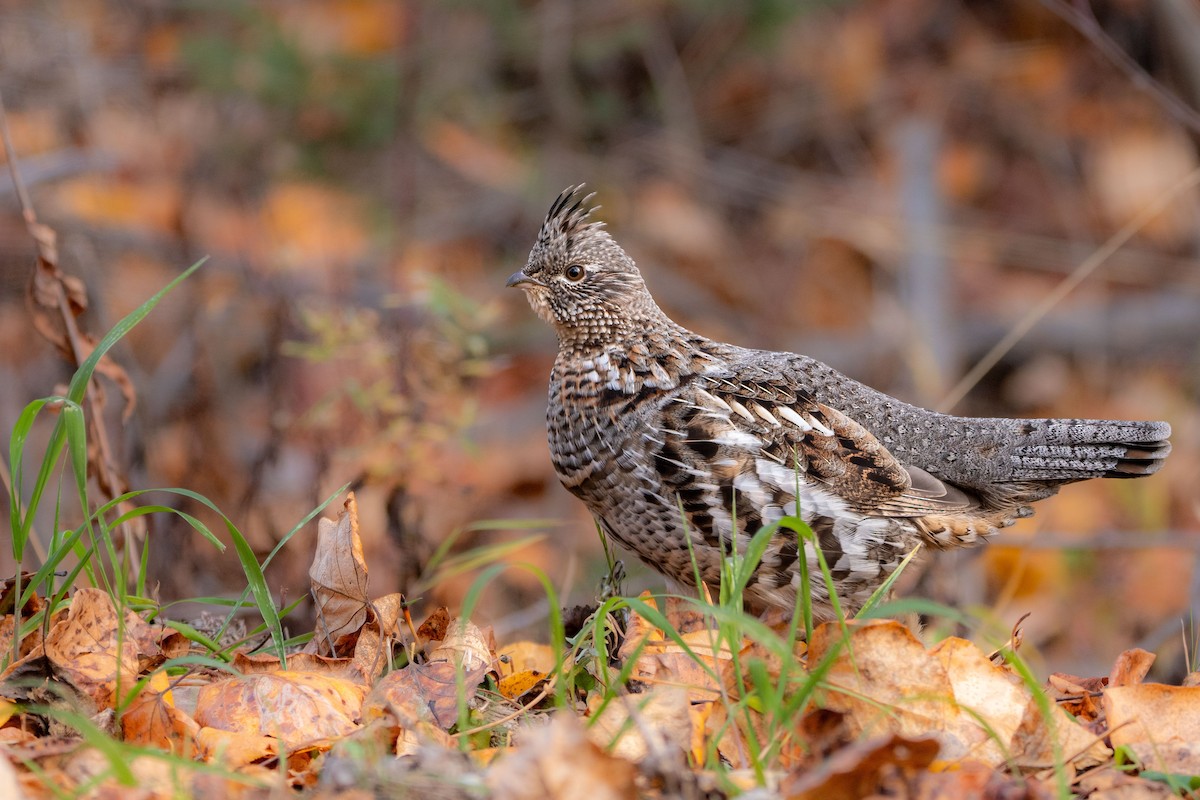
point(374, 702)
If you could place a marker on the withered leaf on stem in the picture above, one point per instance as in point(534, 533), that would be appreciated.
point(339, 578)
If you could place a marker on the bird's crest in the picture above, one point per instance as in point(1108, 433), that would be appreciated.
point(568, 218)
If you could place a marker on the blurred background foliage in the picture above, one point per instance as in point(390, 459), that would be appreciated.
point(886, 185)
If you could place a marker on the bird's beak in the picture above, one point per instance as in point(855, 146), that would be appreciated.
point(522, 280)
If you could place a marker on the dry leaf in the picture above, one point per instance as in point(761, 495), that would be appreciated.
point(298, 708)
point(422, 692)
point(860, 769)
point(87, 648)
point(152, 719)
point(885, 682)
point(468, 644)
point(1131, 667)
point(559, 762)
point(339, 579)
point(1159, 723)
point(635, 726)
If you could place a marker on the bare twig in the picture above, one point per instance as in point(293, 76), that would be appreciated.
point(1080, 17)
point(51, 289)
point(1081, 273)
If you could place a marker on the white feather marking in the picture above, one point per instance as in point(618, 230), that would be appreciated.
point(818, 426)
point(794, 418)
point(732, 437)
point(766, 416)
point(661, 378)
point(592, 376)
point(740, 410)
point(708, 397)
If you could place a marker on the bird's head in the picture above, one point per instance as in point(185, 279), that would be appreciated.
point(579, 279)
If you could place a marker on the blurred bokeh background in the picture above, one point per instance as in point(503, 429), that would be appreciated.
point(888, 186)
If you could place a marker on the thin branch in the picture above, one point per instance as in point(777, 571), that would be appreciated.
point(1078, 276)
point(1080, 17)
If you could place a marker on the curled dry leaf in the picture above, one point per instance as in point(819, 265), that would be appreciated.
point(1131, 667)
point(92, 651)
point(862, 769)
point(339, 578)
point(886, 682)
point(298, 708)
point(468, 644)
point(422, 692)
point(636, 726)
point(558, 761)
point(152, 719)
point(1160, 724)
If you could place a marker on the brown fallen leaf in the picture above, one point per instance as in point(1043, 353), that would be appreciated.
point(636, 726)
point(467, 644)
point(298, 708)
point(558, 761)
point(93, 651)
point(886, 682)
point(862, 769)
point(339, 579)
point(1131, 667)
point(422, 692)
point(1160, 724)
point(152, 719)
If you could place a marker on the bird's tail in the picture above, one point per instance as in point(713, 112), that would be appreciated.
point(1064, 450)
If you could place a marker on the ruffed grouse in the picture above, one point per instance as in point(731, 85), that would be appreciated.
point(667, 435)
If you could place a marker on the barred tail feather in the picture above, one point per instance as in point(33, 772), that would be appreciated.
point(1075, 449)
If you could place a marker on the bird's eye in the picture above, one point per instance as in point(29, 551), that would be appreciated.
point(575, 273)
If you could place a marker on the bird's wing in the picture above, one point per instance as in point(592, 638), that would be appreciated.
point(767, 435)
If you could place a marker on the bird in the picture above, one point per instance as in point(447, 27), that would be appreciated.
point(683, 447)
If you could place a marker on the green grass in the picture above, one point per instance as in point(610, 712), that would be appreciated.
point(768, 694)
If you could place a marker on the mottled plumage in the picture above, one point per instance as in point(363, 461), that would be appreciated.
point(666, 435)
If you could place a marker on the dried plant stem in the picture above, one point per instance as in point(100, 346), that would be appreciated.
point(1078, 276)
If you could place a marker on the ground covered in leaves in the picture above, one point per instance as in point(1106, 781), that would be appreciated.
point(887, 185)
point(654, 699)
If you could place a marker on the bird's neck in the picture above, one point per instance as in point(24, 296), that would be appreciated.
point(640, 351)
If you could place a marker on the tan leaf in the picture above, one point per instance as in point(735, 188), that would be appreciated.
point(1159, 723)
point(339, 578)
point(422, 692)
point(635, 726)
point(89, 649)
point(1131, 667)
point(858, 770)
point(298, 708)
point(152, 719)
point(466, 642)
point(234, 749)
point(558, 761)
point(885, 682)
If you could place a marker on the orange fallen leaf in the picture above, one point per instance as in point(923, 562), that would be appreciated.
point(558, 761)
point(858, 770)
point(91, 650)
point(1160, 724)
point(298, 708)
point(152, 719)
point(1131, 667)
